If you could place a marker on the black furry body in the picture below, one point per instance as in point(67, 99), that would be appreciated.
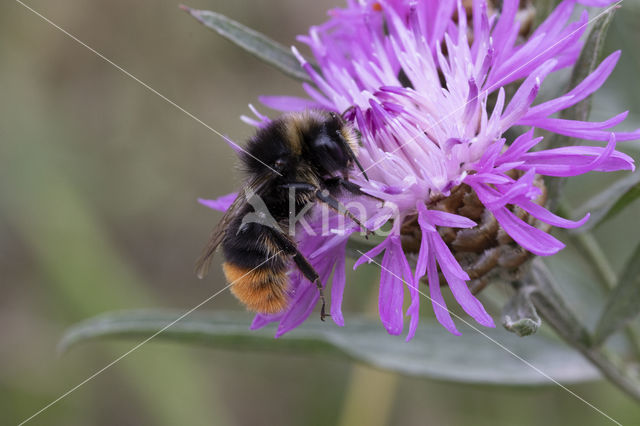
point(314, 157)
point(298, 159)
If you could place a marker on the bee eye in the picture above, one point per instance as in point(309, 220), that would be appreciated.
point(279, 164)
point(336, 118)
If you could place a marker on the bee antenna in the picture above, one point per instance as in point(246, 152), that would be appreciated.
point(347, 111)
point(351, 154)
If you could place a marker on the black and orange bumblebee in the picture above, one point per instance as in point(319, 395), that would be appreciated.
point(307, 153)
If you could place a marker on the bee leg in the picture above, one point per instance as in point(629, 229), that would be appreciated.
point(323, 313)
point(310, 273)
point(289, 247)
point(336, 181)
point(324, 196)
point(346, 184)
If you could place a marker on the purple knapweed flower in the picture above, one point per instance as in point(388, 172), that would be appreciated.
point(426, 90)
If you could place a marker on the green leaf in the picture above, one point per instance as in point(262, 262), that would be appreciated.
point(433, 353)
point(586, 64)
point(624, 301)
point(252, 41)
point(519, 315)
point(611, 201)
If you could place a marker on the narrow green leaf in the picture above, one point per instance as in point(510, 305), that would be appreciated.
point(433, 353)
point(608, 203)
point(624, 301)
point(519, 315)
point(627, 198)
point(252, 41)
point(587, 62)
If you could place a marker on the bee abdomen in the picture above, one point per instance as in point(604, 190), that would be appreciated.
point(262, 290)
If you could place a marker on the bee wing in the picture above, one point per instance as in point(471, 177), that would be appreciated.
point(203, 263)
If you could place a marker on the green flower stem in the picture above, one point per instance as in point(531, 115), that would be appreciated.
point(552, 309)
point(596, 256)
point(608, 279)
point(591, 249)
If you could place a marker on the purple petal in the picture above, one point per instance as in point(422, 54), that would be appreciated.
point(414, 308)
point(391, 296)
point(220, 204)
point(538, 49)
point(488, 178)
point(546, 216)
point(505, 24)
point(319, 98)
point(575, 160)
point(440, 218)
point(337, 289)
point(300, 306)
point(556, 19)
point(368, 256)
point(439, 306)
point(529, 237)
point(589, 85)
point(490, 155)
point(526, 94)
point(579, 129)
point(237, 148)
point(261, 320)
point(461, 292)
point(519, 147)
point(445, 257)
point(494, 200)
point(423, 255)
point(596, 3)
point(288, 103)
point(451, 220)
point(576, 125)
point(251, 122)
point(329, 244)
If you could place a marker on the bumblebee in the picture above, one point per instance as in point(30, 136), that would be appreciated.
point(308, 154)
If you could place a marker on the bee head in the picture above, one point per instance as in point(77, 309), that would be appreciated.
point(332, 143)
point(319, 141)
point(326, 150)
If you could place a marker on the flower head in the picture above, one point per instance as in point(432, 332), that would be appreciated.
point(425, 85)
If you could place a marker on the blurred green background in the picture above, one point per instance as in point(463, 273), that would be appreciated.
point(98, 182)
